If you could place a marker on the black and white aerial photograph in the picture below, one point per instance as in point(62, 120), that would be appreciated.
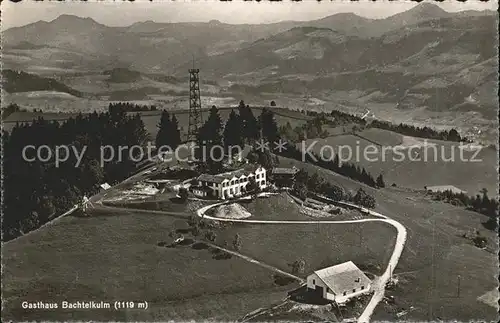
point(249, 161)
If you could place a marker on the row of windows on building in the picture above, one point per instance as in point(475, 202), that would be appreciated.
point(236, 190)
point(242, 180)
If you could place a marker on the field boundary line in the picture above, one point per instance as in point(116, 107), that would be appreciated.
point(255, 261)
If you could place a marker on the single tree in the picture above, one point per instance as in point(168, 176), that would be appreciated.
point(250, 126)
point(211, 236)
point(300, 189)
point(252, 187)
point(380, 181)
point(209, 142)
point(269, 126)
point(175, 134)
point(233, 132)
point(363, 199)
point(183, 194)
point(299, 266)
point(237, 243)
point(164, 129)
point(336, 193)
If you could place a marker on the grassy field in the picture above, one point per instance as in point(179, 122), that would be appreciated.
point(283, 207)
point(382, 137)
point(116, 257)
point(369, 245)
point(434, 244)
point(274, 208)
point(432, 166)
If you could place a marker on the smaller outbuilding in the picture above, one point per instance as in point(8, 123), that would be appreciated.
point(104, 187)
point(284, 176)
point(339, 283)
point(201, 191)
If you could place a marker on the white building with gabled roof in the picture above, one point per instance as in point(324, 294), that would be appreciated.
point(339, 283)
point(105, 186)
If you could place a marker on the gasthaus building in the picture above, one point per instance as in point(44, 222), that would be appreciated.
point(231, 184)
point(339, 283)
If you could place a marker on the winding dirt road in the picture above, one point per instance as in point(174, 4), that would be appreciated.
point(379, 284)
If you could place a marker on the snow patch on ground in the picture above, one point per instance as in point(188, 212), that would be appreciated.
point(137, 192)
point(266, 194)
point(232, 211)
point(443, 188)
point(50, 94)
point(414, 142)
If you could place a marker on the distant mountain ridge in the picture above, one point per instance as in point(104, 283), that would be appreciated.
point(398, 60)
point(151, 46)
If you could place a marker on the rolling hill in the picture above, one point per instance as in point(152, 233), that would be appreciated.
point(14, 82)
point(421, 59)
point(150, 46)
point(402, 65)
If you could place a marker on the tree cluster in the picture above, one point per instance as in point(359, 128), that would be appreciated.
point(168, 131)
point(364, 199)
point(241, 128)
point(208, 138)
point(342, 118)
point(311, 129)
point(250, 125)
point(35, 191)
point(131, 107)
point(336, 117)
point(481, 203)
point(19, 81)
point(306, 184)
point(352, 171)
point(10, 109)
point(422, 132)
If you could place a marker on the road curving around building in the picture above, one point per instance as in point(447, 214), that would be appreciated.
point(379, 284)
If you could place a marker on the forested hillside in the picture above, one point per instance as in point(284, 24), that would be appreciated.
point(19, 81)
point(35, 191)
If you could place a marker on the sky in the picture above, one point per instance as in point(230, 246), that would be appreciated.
point(124, 13)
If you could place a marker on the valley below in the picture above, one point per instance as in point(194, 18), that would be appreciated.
point(424, 66)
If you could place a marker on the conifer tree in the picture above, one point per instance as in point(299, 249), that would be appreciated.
point(175, 139)
point(251, 128)
point(269, 126)
point(164, 129)
point(233, 131)
point(209, 141)
point(380, 181)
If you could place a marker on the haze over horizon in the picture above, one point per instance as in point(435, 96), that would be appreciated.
point(236, 12)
